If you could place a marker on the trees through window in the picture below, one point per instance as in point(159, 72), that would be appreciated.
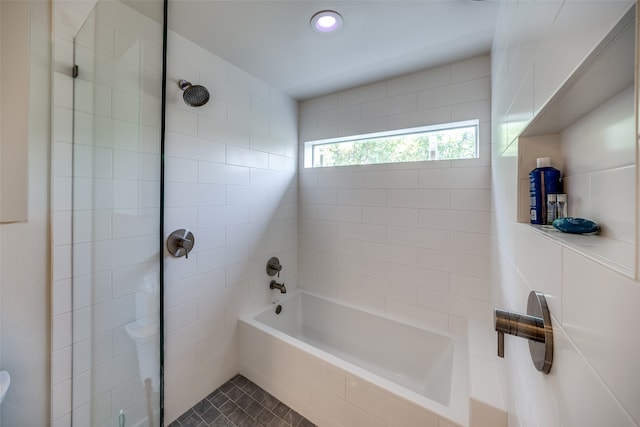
point(449, 141)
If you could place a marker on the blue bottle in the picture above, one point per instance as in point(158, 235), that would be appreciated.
point(543, 180)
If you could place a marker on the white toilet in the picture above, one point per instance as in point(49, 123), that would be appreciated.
point(145, 331)
point(5, 381)
point(146, 339)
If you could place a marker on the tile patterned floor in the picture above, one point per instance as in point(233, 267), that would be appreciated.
point(240, 403)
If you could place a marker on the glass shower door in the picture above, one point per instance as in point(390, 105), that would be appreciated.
point(116, 217)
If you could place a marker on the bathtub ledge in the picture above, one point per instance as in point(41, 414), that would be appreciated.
point(333, 392)
point(485, 388)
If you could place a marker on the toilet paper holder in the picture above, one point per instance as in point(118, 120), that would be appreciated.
point(535, 326)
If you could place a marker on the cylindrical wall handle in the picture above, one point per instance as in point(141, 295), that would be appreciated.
point(534, 326)
point(520, 325)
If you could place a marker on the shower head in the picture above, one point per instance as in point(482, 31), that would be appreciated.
point(193, 95)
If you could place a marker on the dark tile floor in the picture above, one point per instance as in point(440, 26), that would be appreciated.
point(241, 403)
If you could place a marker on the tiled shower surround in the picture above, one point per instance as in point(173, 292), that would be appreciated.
point(594, 379)
point(409, 240)
point(360, 235)
point(106, 167)
point(231, 179)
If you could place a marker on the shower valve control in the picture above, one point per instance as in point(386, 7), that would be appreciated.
point(180, 243)
point(273, 266)
point(535, 326)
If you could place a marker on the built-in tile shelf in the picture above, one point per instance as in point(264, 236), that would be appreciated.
point(616, 254)
point(589, 131)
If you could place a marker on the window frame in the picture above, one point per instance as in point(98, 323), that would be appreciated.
point(310, 145)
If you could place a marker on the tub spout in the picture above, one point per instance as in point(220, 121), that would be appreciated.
point(280, 287)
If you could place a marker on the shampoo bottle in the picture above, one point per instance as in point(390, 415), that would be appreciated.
point(543, 180)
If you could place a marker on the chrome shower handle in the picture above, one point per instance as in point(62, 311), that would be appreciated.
point(180, 243)
point(534, 326)
point(187, 245)
point(273, 266)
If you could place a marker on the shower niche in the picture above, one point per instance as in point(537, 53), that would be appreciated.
point(589, 130)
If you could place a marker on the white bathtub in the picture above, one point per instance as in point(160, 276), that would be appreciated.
point(339, 365)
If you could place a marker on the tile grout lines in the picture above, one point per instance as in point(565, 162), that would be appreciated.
point(240, 403)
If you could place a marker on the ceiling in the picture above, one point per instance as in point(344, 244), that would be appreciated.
point(273, 41)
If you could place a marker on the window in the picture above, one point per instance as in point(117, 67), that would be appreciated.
point(448, 141)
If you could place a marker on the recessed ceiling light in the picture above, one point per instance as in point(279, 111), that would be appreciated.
point(326, 21)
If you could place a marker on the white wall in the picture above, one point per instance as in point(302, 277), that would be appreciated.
point(14, 111)
point(24, 265)
point(594, 380)
point(410, 240)
point(231, 179)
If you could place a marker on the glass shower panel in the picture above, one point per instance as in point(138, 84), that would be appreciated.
point(116, 217)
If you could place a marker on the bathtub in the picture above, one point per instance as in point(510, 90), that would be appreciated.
point(340, 365)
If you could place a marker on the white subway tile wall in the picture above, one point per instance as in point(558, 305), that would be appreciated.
point(230, 178)
point(551, 39)
point(115, 194)
point(410, 240)
point(604, 159)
